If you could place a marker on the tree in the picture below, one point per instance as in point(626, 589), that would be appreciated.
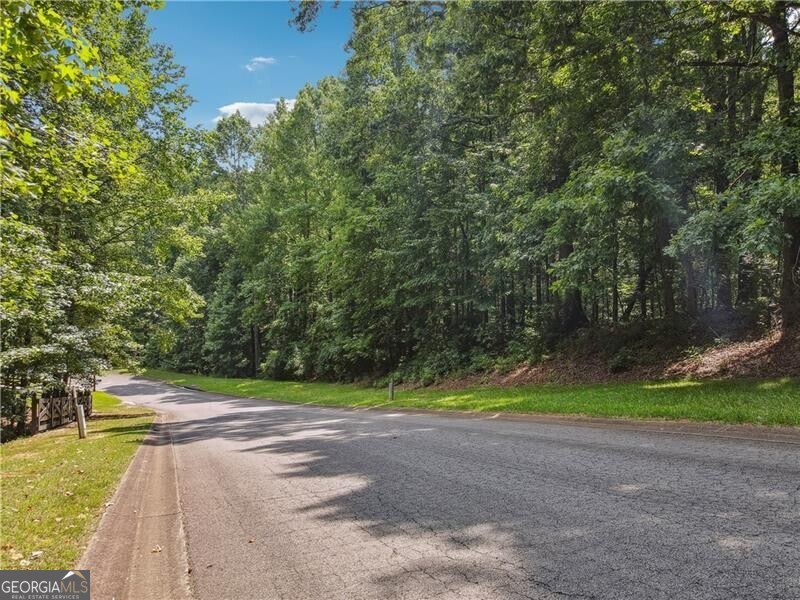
point(484, 180)
point(94, 149)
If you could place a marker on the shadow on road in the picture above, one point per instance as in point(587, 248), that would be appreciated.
point(529, 512)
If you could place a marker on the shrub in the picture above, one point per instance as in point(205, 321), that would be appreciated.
point(13, 413)
point(622, 361)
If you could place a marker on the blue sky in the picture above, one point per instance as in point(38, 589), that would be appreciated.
point(245, 55)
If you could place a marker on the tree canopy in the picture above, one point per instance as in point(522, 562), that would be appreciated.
point(95, 161)
point(482, 179)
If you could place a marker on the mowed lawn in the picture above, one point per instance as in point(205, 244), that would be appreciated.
point(768, 402)
point(54, 486)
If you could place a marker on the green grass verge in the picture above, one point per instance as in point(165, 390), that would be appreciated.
point(769, 402)
point(54, 486)
point(105, 405)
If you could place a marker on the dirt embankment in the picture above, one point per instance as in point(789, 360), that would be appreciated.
point(777, 354)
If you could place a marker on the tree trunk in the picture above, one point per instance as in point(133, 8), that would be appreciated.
point(790, 276)
point(668, 292)
point(639, 294)
point(256, 349)
point(665, 265)
point(642, 288)
point(724, 296)
point(538, 285)
point(572, 314)
point(747, 289)
point(790, 251)
point(615, 284)
point(691, 288)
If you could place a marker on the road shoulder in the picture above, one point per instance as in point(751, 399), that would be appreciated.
point(744, 431)
point(139, 548)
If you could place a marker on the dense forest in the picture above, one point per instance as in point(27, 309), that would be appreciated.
point(483, 180)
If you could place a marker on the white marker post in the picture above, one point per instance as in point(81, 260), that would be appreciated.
point(81, 421)
point(391, 391)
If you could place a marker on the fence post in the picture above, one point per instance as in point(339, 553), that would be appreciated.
point(34, 414)
point(81, 422)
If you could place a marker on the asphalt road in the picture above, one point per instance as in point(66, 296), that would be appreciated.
point(288, 501)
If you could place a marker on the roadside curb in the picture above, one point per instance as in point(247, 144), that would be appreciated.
point(748, 432)
point(146, 512)
point(111, 502)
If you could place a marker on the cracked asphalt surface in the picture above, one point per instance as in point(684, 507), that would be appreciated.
point(290, 501)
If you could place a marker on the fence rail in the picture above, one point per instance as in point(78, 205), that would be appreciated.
point(51, 410)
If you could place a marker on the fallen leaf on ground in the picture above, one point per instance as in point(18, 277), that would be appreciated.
point(36, 554)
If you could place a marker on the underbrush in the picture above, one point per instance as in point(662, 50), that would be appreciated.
point(626, 351)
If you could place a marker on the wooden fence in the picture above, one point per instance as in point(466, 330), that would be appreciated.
point(50, 410)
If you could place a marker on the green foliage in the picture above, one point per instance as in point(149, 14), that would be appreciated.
point(487, 178)
point(95, 160)
point(624, 360)
point(227, 336)
point(483, 180)
point(13, 412)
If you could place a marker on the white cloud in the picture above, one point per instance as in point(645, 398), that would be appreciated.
point(259, 62)
point(289, 101)
point(256, 113)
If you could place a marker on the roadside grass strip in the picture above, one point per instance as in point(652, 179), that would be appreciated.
point(54, 486)
point(759, 401)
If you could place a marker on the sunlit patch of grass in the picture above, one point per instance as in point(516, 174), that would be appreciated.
point(774, 384)
point(54, 485)
point(668, 385)
point(106, 404)
point(774, 401)
point(460, 400)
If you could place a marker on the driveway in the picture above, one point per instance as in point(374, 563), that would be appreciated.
point(292, 501)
